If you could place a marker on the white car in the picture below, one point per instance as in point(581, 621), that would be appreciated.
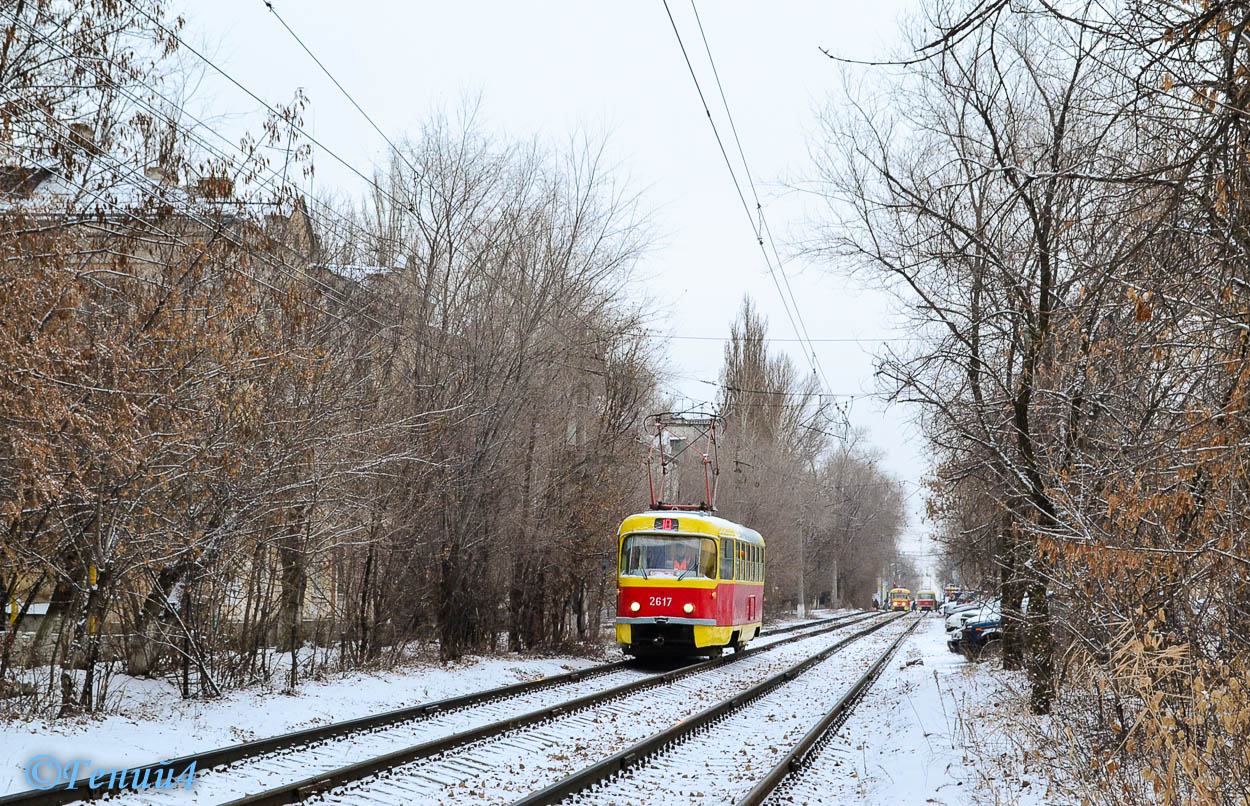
point(962, 615)
point(982, 611)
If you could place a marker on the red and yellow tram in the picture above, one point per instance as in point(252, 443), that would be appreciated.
point(900, 599)
point(688, 583)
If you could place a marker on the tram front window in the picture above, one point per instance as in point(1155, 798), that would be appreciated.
point(668, 556)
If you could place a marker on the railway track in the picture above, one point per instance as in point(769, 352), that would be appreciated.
point(714, 756)
point(427, 772)
point(790, 781)
point(243, 768)
point(524, 758)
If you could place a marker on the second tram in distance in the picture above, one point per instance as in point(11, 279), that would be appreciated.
point(689, 583)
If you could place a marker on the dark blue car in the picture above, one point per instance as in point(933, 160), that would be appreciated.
point(976, 635)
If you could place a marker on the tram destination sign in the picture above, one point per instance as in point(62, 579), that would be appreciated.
point(666, 523)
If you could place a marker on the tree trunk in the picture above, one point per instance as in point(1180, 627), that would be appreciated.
point(11, 635)
point(366, 636)
point(58, 606)
point(1039, 657)
point(141, 643)
point(1012, 596)
point(291, 556)
point(95, 612)
point(579, 604)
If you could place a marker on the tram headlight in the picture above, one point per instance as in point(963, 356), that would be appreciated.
point(688, 607)
point(634, 607)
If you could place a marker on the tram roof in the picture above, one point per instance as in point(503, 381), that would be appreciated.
point(691, 522)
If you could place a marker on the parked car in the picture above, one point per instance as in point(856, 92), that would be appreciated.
point(977, 635)
point(978, 628)
point(962, 600)
point(961, 615)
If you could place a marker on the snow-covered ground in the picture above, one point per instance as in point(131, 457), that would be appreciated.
point(151, 723)
point(930, 732)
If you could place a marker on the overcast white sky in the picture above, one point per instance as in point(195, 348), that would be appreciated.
point(549, 68)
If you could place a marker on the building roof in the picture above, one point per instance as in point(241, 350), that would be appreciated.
point(19, 181)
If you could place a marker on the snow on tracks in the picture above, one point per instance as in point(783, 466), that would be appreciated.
point(720, 762)
point(503, 767)
point(926, 732)
point(313, 756)
point(367, 748)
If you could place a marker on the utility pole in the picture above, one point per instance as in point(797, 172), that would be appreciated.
point(802, 571)
point(833, 599)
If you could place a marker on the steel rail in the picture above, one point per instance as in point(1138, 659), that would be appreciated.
point(331, 779)
point(813, 623)
point(636, 753)
point(830, 722)
point(301, 790)
point(79, 789)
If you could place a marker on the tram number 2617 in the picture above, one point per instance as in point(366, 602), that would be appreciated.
point(661, 601)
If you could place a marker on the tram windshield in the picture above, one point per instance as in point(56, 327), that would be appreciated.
point(668, 556)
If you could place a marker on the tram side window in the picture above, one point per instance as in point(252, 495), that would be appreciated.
point(755, 563)
point(726, 558)
point(759, 572)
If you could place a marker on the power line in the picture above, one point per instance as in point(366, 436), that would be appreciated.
point(800, 326)
point(805, 425)
point(404, 207)
point(728, 164)
point(849, 339)
point(746, 169)
point(346, 94)
point(706, 406)
point(774, 392)
point(759, 207)
point(330, 292)
point(182, 43)
point(795, 317)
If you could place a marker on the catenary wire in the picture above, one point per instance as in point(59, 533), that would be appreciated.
point(759, 207)
point(799, 330)
point(342, 89)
